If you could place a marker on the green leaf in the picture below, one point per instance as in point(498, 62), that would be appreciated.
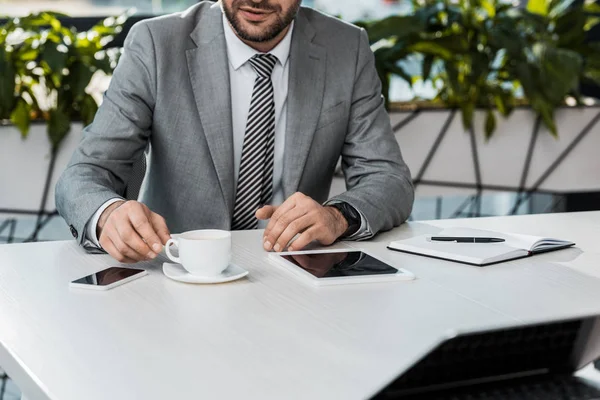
point(390, 55)
point(431, 48)
point(28, 54)
point(559, 71)
point(540, 7)
point(398, 70)
point(570, 28)
point(104, 64)
point(20, 117)
point(557, 7)
point(591, 22)
point(427, 64)
point(56, 60)
point(468, 109)
point(592, 75)
point(88, 109)
point(7, 84)
point(490, 124)
point(592, 7)
point(504, 103)
point(525, 74)
point(488, 7)
point(546, 111)
point(456, 43)
point(57, 14)
point(79, 78)
point(503, 7)
point(35, 107)
point(395, 26)
point(59, 126)
point(502, 36)
point(426, 13)
point(104, 30)
point(40, 20)
point(52, 21)
point(361, 24)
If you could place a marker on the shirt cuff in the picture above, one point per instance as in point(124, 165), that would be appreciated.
point(364, 232)
point(90, 239)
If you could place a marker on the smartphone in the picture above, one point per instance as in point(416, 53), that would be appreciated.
point(108, 278)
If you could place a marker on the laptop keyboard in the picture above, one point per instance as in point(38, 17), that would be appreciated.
point(557, 388)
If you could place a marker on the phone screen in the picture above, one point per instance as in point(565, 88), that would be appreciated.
point(108, 276)
point(346, 263)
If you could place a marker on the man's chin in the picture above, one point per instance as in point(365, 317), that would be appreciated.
point(255, 27)
point(253, 32)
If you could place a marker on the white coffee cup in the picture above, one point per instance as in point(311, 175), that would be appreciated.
point(202, 253)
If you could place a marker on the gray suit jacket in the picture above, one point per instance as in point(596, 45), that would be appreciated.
point(171, 90)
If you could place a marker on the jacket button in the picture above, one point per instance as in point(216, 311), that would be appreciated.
point(74, 231)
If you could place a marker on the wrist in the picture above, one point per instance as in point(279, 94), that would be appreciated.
point(342, 223)
point(350, 216)
point(105, 215)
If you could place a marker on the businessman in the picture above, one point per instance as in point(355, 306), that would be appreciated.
point(246, 107)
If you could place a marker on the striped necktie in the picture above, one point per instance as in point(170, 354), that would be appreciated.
point(255, 181)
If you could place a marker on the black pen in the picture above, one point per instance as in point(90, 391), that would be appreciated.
point(466, 239)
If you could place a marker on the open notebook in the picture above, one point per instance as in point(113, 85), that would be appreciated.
point(515, 246)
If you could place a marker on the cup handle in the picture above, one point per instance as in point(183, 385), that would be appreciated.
point(168, 250)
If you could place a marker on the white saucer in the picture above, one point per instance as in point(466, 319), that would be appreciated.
point(178, 273)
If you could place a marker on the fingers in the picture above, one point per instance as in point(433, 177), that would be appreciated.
point(133, 233)
point(265, 212)
point(282, 209)
point(297, 214)
point(160, 227)
point(130, 238)
point(304, 239)
point(127, 252)
point(287, 205)
point(301, 214)
point(112, 250)
point(142, 238)
point(288, 225)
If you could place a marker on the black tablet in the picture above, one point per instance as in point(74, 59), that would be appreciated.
point(334, 267)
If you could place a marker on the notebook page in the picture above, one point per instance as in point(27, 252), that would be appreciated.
point(480, 253)
point(515, 240)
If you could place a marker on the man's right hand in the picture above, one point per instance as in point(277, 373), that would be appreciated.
point(130, 232)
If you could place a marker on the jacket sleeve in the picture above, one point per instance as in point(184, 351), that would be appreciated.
point(101, 166)
point(378, 180)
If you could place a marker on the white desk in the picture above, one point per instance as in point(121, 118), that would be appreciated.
point(271, 336)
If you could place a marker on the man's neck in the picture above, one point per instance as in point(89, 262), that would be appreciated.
point(265, 47)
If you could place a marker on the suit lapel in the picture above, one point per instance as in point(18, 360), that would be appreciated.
point(305, 99)
point(209, 74)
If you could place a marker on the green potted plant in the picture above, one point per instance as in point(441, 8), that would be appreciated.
point(490, 54)
point(481, 59)
point(46, 69)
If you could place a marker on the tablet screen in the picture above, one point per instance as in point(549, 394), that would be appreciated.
point(347, 263)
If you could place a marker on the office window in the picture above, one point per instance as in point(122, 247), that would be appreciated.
point(350, 10)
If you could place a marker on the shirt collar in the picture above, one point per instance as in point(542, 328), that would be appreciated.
point(239, 52)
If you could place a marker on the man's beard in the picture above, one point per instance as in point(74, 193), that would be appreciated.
point(270, 32)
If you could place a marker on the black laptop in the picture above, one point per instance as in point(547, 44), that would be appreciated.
point(517, 363)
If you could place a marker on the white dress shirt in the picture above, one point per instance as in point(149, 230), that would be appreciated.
point(242, 77)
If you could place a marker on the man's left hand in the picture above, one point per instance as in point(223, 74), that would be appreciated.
point(301, 215)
